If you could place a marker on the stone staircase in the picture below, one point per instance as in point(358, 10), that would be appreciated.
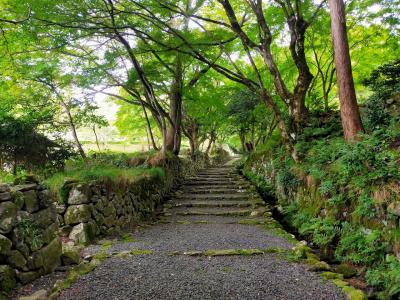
point(215, 239)
point(217, 191)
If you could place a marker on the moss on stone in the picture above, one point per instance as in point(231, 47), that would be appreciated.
point(7, 278)
point(122, 254)
point(141, 252)
point(353, 293)
point(332, 275)
point(272, 250)
point(229, 252)
point(101, 255)
point(106, 244)
point(201, 222)
point(127, 238)
point(317, 265)
point(251, 222)
point(347, 270)
point(163, 221)
point(183, 222)
point(73, 275)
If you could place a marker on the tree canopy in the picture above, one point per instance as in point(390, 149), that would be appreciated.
point(195, 71)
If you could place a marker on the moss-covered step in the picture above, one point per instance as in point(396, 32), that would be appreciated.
point(226, 197)
point(235, 252)
point(215, 203)
point(180, 211)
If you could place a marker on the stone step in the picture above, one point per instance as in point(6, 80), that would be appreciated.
point(219, 203)
point(213, 178)
point(213, 190)
point(224, 172)
point(217, 174)
point(216, 170)
point(205, 211)
point(216, 182)
point(218, 186)
point(213, 197)
point(210, 219)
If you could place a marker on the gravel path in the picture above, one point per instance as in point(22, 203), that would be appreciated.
point(166, 273)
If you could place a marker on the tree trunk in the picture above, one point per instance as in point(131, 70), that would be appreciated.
point(350, 115)
point(242, 137)
point(73, 130)
point(96, 137)
point(210, 143)
point(175, 106)
point(148, 140)
point(149, 130)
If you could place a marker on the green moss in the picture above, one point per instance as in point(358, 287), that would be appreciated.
point(229, 252)
point(340, 283)
point(272, 250)
point(163, 221)
point(141, 252)
point(73, 275)
point(317, 265)
point(101, 255)
point(202, 222)
point(353, 293)
point(127, 238)
point(123, 254)
point(250, 251)
point(251, 222)
point(347, 270)
point(332, 275)
point(106, 244)
point(183, 222)
point(98, 172)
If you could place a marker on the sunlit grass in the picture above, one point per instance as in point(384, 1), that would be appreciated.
point(85, 172)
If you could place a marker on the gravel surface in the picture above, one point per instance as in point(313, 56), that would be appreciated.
point(166, 273)
point(182, 277)
point(45, 282)
point(166, 238)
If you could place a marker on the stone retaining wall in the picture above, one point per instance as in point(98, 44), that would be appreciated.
point(35, 228)
point(29, 242)
point(100, 208)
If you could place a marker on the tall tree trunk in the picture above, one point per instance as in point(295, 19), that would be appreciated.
point(96, 137)
point(149, 130)
point(351, 120)
point(210, 143)
point(174, 129)
point(148, 140)
point(242, 137)
point(73, 130)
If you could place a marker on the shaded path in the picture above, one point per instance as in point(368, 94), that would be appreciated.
point(215, 210)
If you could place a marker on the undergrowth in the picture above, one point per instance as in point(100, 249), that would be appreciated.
point(338, 196)
point(100, 167)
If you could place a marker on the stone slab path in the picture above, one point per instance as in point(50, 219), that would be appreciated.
point(186, 254)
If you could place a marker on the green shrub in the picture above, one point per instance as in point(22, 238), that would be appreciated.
point(31, 233)
point(99, 169)
point(386, 276)
point(360, 245)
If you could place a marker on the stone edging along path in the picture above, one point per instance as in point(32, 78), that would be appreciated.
point(215, 239)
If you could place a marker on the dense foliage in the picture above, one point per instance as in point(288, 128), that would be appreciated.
point(200, 77)
point(341, 196)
